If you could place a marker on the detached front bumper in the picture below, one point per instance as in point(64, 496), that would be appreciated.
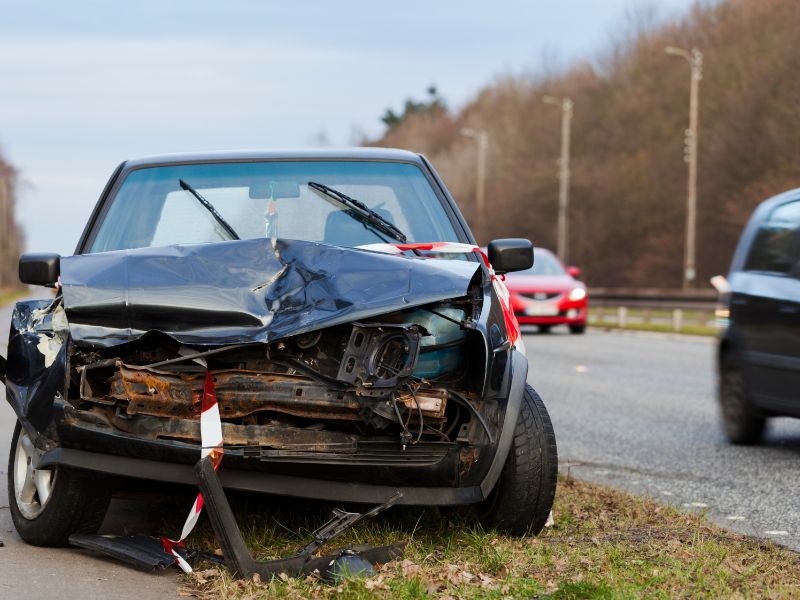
point(433, 474)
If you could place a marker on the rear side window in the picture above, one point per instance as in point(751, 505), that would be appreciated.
point(776, 247)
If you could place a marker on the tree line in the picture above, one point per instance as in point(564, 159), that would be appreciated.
point(628, 191)
point(11, 239)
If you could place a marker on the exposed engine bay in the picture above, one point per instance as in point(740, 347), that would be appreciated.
point(407, 377)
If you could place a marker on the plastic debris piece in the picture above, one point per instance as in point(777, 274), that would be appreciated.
point(348, 565)
point(143, 552)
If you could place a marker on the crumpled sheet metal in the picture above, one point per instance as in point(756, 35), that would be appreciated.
point(256, 290)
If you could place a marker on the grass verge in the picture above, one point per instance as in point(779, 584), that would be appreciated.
point(686, 329)
point(10, 295)
point(604, 544)
point(693, 322)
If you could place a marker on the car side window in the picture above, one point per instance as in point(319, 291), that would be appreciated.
point(776, 247)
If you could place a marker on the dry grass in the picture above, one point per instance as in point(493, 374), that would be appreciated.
point(605, 544)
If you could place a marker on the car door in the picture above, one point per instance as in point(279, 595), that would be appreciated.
point(765, 304)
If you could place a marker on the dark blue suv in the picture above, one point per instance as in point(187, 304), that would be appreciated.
point(759, 358)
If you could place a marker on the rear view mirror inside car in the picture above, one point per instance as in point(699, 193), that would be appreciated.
point(274, 189)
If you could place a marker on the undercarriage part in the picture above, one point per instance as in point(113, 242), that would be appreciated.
point(276, 443)
point(239, 394)
point(465, 402)
point(274, 436)
point(239, 560)
point(143, 552)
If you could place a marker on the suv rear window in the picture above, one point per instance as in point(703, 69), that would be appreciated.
point(776, 247)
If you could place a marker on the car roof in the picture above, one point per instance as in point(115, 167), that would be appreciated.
point(761, 212)
point(347, 154)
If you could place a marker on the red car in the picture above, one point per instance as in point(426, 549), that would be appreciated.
point(548, 294)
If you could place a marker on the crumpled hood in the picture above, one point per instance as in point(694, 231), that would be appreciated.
point(255, 290)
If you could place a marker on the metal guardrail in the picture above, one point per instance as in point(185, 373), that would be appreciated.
point(635, 306)
point(654, 298)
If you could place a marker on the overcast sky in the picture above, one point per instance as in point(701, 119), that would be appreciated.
point(85, 85)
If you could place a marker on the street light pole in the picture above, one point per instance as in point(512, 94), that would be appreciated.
point(481, 137)
point(563, 174)
point(695, 60)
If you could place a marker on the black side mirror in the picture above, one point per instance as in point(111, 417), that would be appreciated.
point(39, 269)
point(512, 254)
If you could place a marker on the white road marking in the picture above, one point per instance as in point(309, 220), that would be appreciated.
point(776, 532)
point(695, 505)
point(735, 518)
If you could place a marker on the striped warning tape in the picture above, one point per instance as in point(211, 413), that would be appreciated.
point(211, 445)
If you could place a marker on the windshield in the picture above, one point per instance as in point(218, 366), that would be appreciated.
point(156, 206)
point(544, 263)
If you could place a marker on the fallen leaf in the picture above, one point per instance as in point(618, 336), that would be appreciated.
point(409, 568)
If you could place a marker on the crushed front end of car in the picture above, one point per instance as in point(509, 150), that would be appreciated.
point(343, 374)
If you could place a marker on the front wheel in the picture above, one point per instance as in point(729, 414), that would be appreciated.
point(50, 504)
point(578, 328)
point(523, 496)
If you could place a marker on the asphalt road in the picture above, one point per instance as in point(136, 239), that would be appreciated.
point(637, 411)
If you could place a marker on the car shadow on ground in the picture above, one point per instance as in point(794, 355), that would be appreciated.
point(782, 441)
point(159, 511)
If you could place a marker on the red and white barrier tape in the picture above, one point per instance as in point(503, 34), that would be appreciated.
point(211, 445)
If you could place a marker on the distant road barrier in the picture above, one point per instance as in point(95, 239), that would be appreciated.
point(653, 308)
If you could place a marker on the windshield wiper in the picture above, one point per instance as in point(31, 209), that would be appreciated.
point(210, 208)
point(361, 212)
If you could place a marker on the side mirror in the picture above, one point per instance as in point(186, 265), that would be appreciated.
point(512, 254)
point(39, 269)
point(574, 272)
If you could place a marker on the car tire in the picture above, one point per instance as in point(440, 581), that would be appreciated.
point(742, 422)
point(577, 329)
point(544, 328)
point(521, 501)
point(72, 503)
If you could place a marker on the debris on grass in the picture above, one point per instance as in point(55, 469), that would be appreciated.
point(603, 544)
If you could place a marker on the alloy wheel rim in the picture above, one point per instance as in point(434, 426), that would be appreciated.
point(33, 487)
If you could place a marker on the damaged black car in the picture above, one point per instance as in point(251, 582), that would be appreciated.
point(359, 345)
